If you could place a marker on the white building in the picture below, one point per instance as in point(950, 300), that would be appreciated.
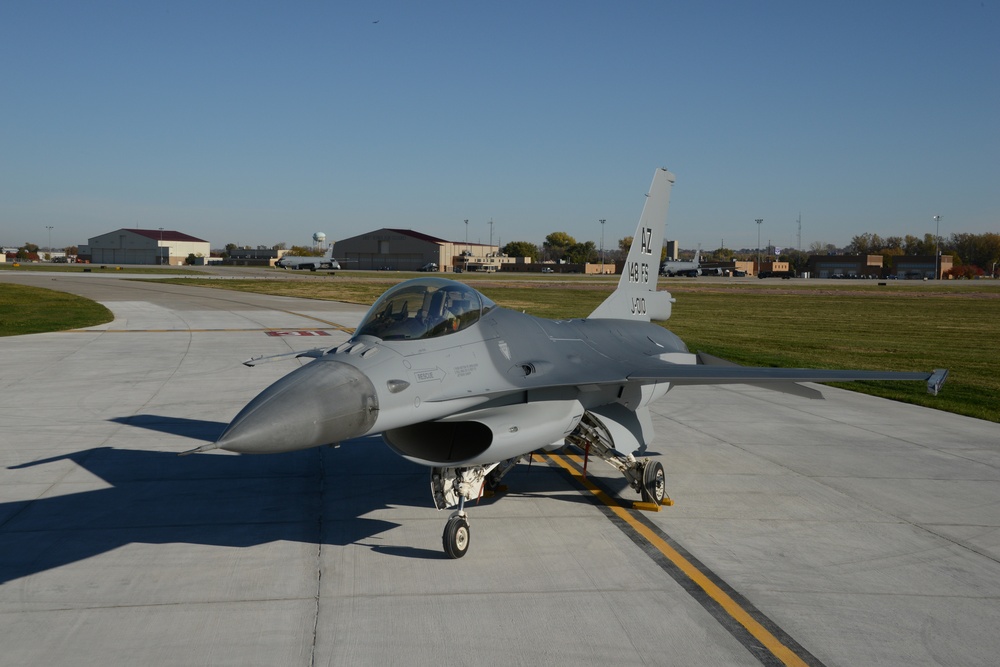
point(144, 246)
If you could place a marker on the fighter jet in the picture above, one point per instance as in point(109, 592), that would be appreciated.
point(467, 388)
point(326, 262)
point(679, 267)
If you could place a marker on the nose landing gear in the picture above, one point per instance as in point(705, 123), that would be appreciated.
point(454, 486)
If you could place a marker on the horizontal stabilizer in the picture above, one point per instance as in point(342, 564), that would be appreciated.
point(936, 380)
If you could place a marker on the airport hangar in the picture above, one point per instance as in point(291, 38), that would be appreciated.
point(407, 250)
point(926, 267)
point(144, 246)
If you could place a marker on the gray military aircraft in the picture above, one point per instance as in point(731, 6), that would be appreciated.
point(325, 262)
point(680, 267)
point(456, 383)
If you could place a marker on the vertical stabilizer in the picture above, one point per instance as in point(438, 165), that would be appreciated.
point(636, 297)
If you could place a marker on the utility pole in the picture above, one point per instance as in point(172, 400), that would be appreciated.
point(602, 221)
point(937, 247)
point(758, 221)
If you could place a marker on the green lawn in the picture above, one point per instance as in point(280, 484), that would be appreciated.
point(27, 310)
point(47, 267)
point(897, 331)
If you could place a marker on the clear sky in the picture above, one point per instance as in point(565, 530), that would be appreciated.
point(262, 122)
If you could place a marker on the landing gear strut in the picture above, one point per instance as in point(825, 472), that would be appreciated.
point(454, 486)
point(644, 476)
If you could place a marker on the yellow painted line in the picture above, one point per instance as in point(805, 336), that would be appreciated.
point(762, 634)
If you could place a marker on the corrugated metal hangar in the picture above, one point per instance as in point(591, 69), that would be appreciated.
point(144, 246)
point(403, 250)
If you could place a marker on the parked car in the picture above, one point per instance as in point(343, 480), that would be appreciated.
point(430, 266)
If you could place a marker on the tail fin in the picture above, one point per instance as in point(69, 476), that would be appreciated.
point(329, 252)
point(636, 297)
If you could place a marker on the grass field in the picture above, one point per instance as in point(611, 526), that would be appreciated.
point(774, 323)
point(26, 310)
point(95, 268)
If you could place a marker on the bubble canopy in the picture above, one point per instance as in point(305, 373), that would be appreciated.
point(424, 308)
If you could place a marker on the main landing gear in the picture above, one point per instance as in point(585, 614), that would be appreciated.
point(455, 486)
point(644, 476)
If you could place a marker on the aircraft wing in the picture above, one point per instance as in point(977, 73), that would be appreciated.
point(713, 370)
point(706, 371)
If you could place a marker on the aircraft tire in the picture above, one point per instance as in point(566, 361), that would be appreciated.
point(654, 483)
point(456, 537)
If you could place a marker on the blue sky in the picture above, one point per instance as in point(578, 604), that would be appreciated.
point(263, 122)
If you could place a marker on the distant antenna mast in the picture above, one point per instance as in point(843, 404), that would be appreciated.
point(798, 242)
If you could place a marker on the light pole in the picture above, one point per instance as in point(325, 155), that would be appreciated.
point(50, 228)
point(602, 221)
point(759, 221)
point(159, 249)
point(937, 247)
point(491, 234)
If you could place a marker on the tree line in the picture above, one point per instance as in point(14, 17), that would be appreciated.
point(973, 254)
point(974, 251)
point(561, 247)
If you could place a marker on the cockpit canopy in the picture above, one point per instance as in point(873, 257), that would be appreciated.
point(424, 308)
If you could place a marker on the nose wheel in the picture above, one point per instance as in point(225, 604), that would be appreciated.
point(456, 536)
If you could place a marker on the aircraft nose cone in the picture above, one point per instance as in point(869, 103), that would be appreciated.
point(318, 404)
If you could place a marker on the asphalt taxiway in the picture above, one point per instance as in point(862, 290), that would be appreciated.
point(848, 531)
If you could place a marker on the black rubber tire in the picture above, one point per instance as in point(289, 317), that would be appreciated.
point(456, 537)
point(654, 483)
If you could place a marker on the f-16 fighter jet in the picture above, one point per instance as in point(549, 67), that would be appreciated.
point(467, 388)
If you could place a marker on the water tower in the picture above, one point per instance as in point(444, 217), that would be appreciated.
point(319, 238)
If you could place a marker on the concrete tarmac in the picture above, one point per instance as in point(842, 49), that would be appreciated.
point(848, 531)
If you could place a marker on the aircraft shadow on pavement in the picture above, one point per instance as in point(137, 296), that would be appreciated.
point(317, 496)
point(196, 429)
point(320, 495)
